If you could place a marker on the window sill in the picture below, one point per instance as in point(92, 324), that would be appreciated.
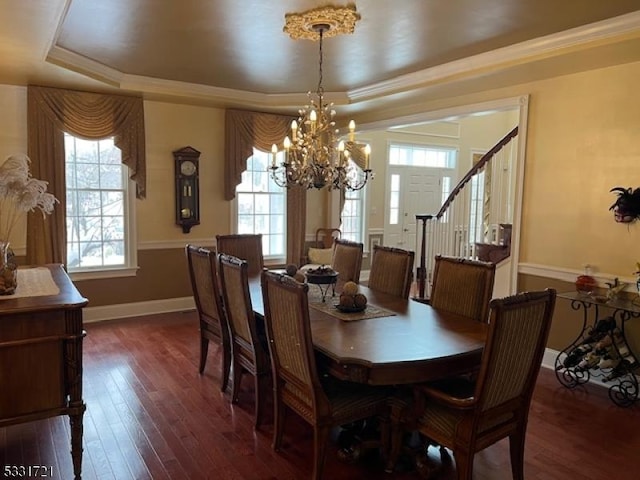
point(80, 275)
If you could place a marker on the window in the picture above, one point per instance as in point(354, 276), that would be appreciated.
point(352, 227)
point(261, 205)
point(422, 156)
point(98, 220)
point(394, 199)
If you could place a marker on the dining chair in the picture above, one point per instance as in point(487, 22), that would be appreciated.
point(467, 416)
point(347, 260)
point(391, 270)
point(203, 273)
point(326, 236)
point(297, 385)
point(249, 351)
point(245, 246)
point(463, 286)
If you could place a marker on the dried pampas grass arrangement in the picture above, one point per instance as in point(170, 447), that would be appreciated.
point(20, 193)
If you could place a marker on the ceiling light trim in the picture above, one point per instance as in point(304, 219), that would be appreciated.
point(332, 20)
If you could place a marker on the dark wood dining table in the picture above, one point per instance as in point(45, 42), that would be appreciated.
point(412, 343)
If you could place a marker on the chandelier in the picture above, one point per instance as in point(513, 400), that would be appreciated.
point(314, 157)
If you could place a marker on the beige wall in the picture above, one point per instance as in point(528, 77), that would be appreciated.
point(583, 140)
point(169, 127)
point(13, 139)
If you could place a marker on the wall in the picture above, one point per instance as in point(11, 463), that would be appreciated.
point(13, 139)
point(583, 139)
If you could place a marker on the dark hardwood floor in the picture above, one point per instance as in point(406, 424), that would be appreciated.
point(151, 416)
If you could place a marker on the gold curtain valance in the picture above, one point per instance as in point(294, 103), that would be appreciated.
point(245, 130)
point(358, 156)
point(94, 116)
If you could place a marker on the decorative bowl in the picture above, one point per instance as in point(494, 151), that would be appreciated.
point(345, 309)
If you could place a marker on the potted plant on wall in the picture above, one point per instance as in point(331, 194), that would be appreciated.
point(626, 208)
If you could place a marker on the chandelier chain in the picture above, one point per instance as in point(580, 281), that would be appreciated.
point(320, 90)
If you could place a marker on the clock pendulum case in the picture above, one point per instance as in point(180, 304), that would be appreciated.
point(187, 173)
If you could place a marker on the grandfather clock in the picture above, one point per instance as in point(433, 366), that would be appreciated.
point(187, 173)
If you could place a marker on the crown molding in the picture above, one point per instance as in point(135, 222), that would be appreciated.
point(84, 66)
point(548, 45)
point(610, 30)
point(156, 86)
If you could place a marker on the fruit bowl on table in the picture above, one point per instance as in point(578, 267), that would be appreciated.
point(321, 275)
point(350, 309)
point(350, 300)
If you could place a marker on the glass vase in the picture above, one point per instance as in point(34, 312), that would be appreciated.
point(586, 284)
point(8, 270)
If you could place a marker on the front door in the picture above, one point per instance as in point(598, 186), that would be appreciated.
point(413, 190)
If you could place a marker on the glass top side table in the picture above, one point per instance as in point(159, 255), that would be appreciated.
point(600, 350)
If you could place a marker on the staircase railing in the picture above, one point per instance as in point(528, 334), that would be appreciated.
point(472, 213)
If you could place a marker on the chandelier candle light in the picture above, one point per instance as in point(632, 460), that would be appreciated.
point(313, 157)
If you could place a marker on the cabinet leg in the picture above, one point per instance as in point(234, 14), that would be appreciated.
point(75, 420)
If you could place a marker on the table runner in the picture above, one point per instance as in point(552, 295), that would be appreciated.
point(372, 311)
point(34, 282)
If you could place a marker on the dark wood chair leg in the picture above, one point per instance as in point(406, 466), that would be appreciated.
point(262, 384)
point(321, 437)
point(236, 377)
point(226, 367)
point(516, 450)
point(279, 413)
point(204, 349)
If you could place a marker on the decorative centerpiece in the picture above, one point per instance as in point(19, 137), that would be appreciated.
point(323, 276)
point(351, 300)
point(19, 193)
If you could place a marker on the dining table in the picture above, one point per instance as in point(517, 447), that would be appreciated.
point(393, 341)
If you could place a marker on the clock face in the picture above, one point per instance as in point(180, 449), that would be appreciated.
point(187, 168)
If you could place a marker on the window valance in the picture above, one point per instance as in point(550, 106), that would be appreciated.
point(245, 130)
point(93, 116)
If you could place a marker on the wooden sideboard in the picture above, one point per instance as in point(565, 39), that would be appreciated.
point(41, 355)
